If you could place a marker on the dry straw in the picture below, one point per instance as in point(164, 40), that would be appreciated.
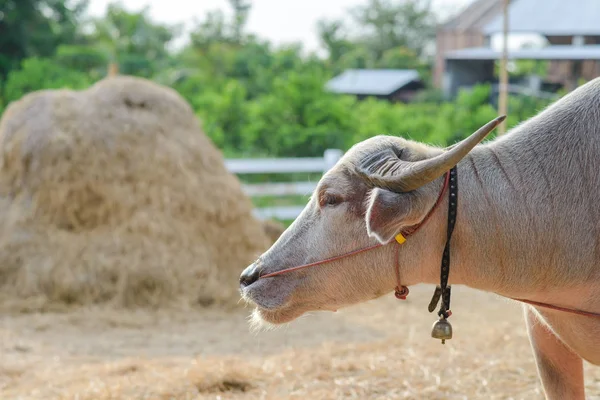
point(114, 195)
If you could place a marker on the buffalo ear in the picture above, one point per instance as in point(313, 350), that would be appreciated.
point(386, 211)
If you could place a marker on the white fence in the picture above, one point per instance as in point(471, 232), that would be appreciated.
point(282, 166)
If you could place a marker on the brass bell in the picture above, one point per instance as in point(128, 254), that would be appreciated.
point(441, 330)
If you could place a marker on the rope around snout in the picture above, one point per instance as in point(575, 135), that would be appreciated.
point(400, 291)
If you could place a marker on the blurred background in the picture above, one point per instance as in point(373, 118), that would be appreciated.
point(281, 89)
point(295, 78)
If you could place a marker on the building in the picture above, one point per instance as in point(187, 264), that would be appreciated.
point(571, 30)
point(395, 85)
point(465, 30)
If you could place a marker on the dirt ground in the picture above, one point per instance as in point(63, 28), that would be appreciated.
point(378, 350)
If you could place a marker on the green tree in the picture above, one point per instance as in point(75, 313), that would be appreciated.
point(241, 10)
point(252, 98)
point(215, 28)
point(40, 73)
point(297, 118)
point(389, 24)
point(35, 28)
point(224, 116)
point(131, 39)
point(90, 60)
point(385, 34)
point(212, 30)
point(334, 38)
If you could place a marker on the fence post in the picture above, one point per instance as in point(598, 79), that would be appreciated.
point(331, 157)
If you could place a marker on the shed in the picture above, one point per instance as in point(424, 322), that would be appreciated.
point(571, 30)
point(463, 30)
point(467, 67)
point(390, 84)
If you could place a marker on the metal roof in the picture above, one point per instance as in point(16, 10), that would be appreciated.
point(587, 52)
point(371, 81)
point(474, 16)
point(550, 17)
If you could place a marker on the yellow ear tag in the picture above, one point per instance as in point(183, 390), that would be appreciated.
point(400, 239)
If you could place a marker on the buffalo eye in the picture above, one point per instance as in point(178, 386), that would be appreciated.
point(329, 199)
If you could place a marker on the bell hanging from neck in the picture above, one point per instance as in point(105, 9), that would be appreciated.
point(442, 329)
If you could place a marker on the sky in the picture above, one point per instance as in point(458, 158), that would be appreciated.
point(280, 21)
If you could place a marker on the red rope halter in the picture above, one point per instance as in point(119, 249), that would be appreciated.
point(401, 291)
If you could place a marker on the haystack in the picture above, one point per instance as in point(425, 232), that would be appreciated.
point(114, 195)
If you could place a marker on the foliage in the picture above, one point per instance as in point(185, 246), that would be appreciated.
point(40, 73)
point(390, 34)
point(297, 119)
point(35, 28)
point(389, 24)
point(132, 40)
point(252, 98)
point(86, 59)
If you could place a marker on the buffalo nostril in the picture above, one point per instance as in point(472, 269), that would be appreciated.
point(249, 276)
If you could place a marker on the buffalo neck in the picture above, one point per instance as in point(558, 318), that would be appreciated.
point(521, 220)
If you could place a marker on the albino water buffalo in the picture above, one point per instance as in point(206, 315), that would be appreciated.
point(525, 213)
